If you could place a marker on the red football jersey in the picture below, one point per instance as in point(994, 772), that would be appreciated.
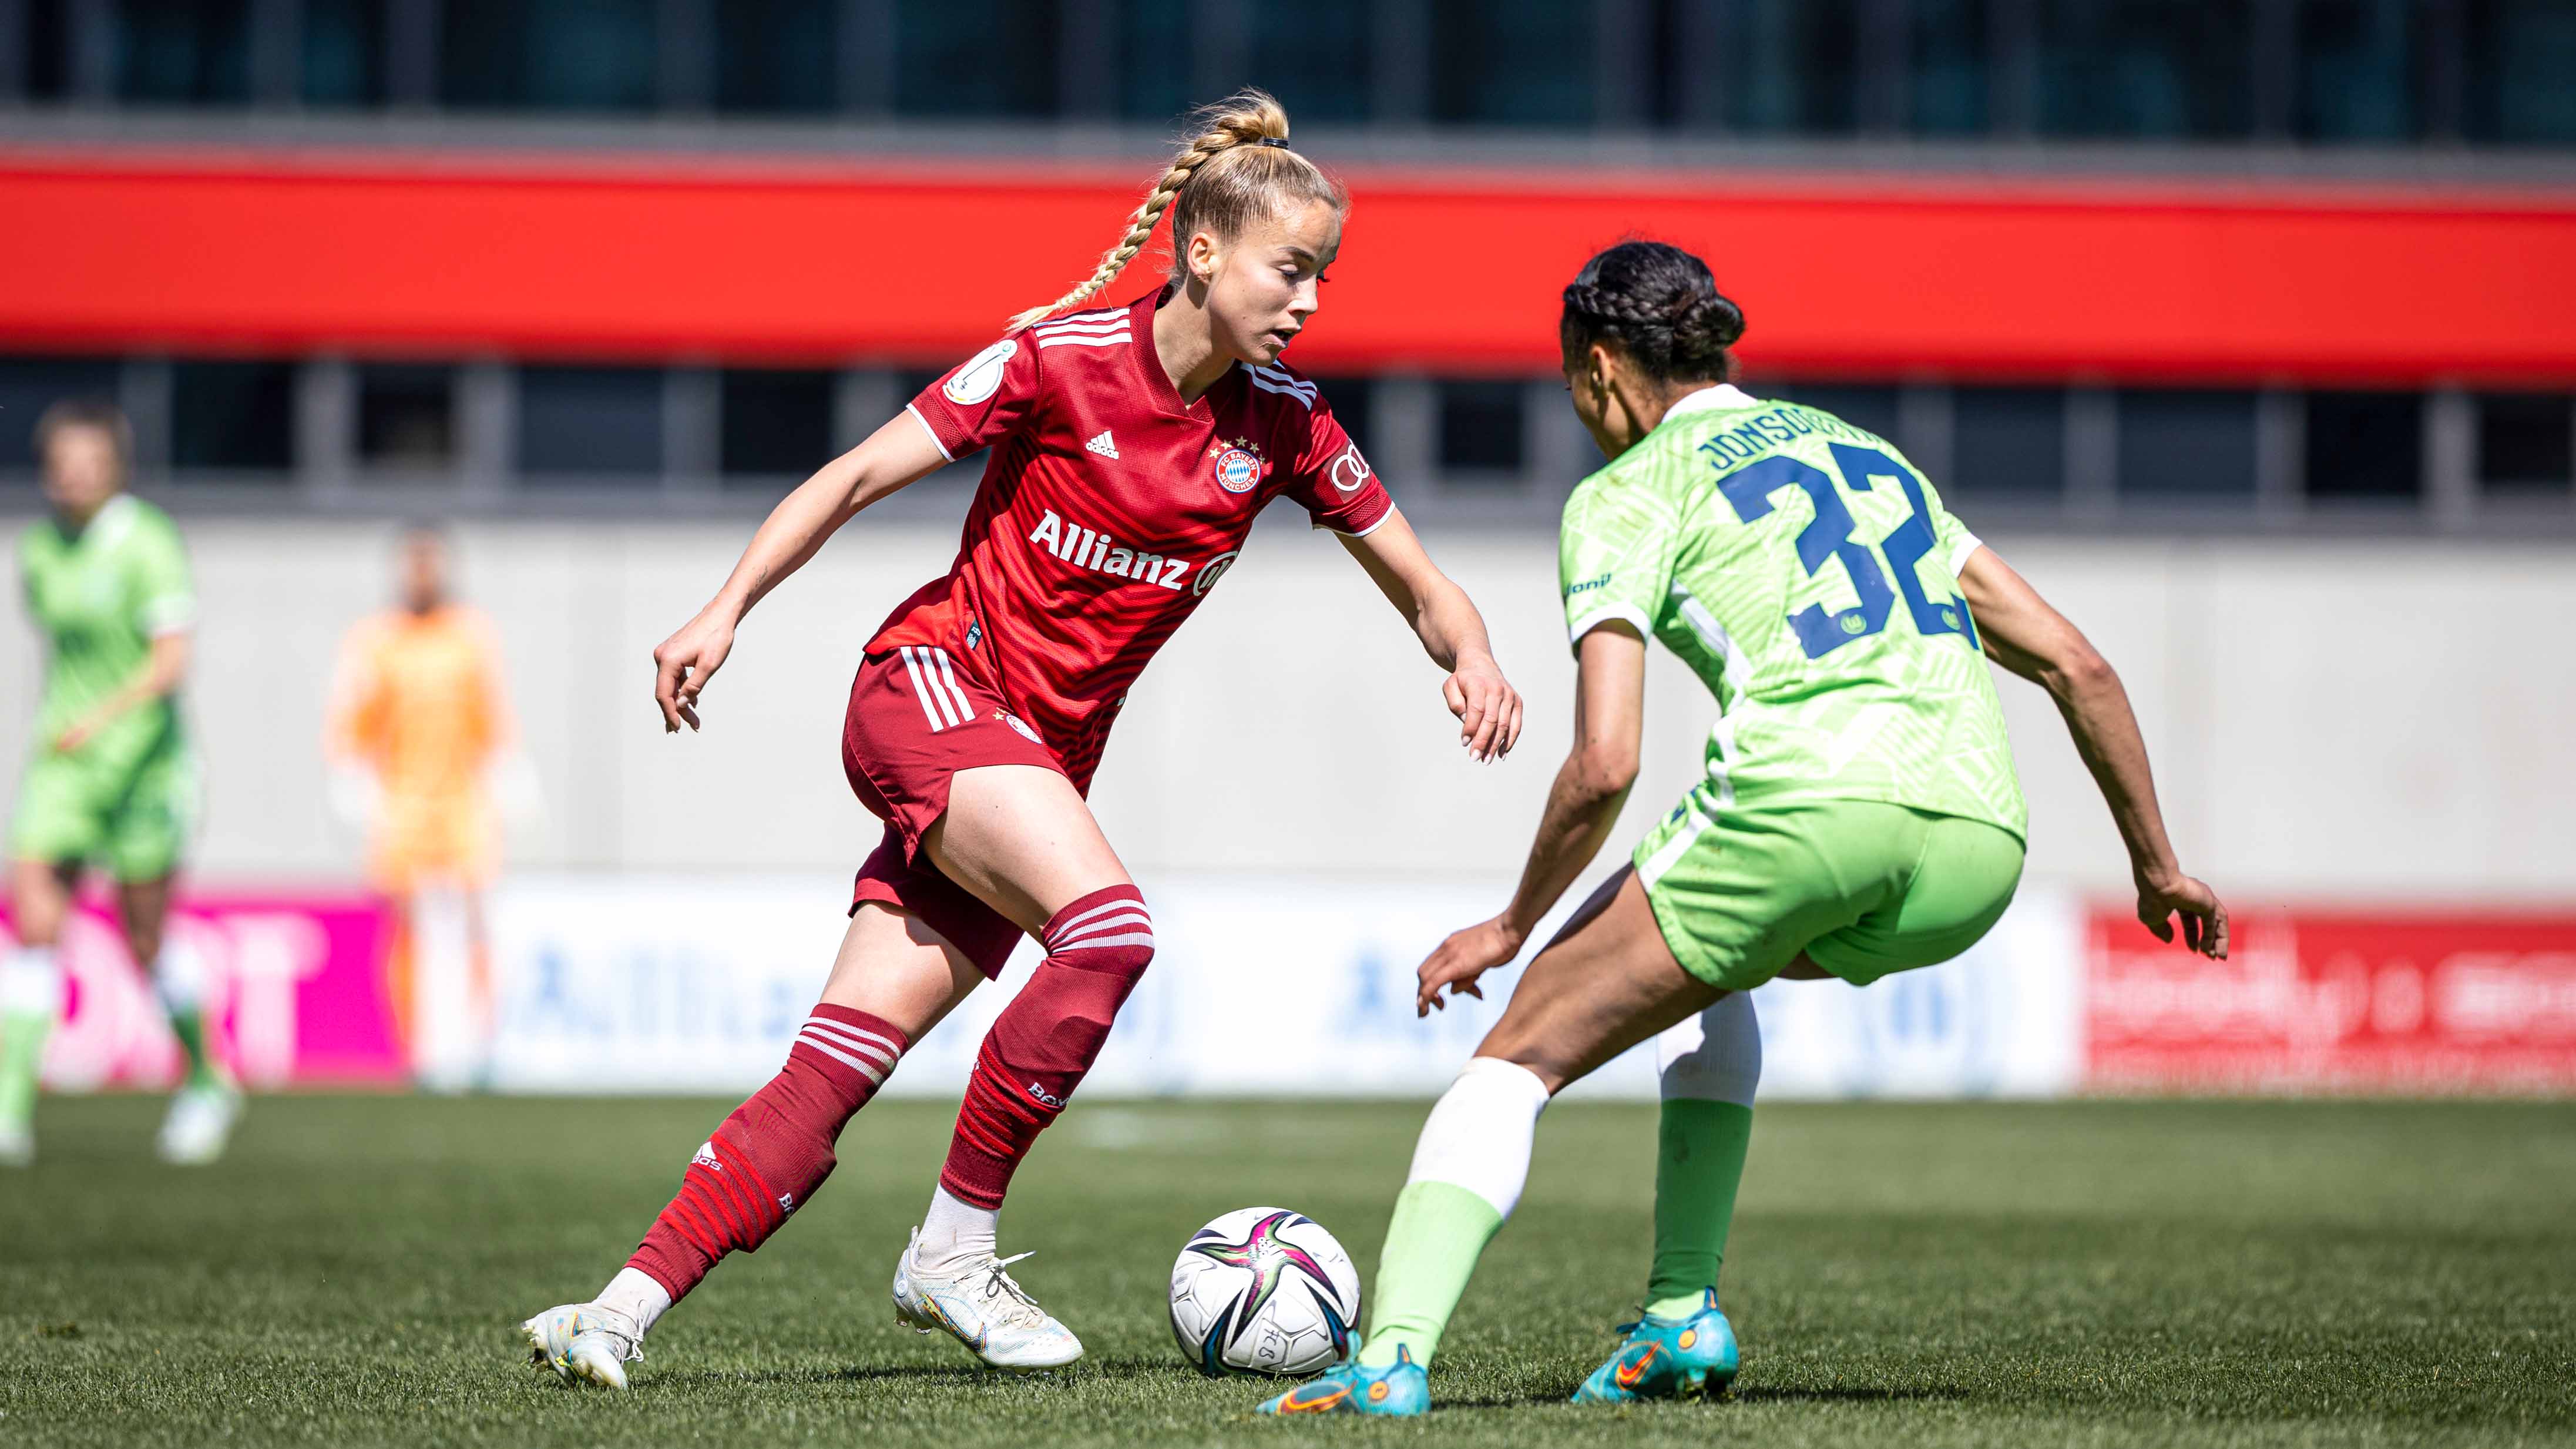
point(1109, 509)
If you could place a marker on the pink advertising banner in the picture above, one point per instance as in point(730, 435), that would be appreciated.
point(295, 988)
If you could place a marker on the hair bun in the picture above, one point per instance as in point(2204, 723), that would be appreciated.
point(1709, 323)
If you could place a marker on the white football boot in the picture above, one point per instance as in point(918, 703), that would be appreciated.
point(584, 1343)
point(199, 1123)
point(979, 1305)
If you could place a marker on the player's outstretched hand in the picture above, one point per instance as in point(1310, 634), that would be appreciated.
point(1462, 958)
point(1487, 707)
point(683, 665)
point(2204, 916)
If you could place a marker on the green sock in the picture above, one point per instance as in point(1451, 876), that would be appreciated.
point(22, 1048)
point(1440, 1230)
point(1699, 1161)
point(189, 1027)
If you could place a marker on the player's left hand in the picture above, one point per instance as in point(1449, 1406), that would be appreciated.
point(1462, 958)
point(1487, 707)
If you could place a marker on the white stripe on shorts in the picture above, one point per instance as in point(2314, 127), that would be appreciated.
point(948, 675)
point(921, 692)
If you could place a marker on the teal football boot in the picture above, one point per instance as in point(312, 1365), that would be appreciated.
point(1667, 1358)
point(1399, 1390)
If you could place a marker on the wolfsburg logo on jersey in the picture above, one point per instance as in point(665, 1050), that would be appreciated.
point(1100, 553)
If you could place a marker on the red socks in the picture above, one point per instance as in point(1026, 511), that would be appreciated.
point(1046, 1039)
point(767, 1159)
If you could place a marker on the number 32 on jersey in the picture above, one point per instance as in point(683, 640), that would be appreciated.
point(1829, 536)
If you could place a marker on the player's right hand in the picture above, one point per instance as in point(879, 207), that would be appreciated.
point(2204, 916)
point(683, 665)
point(1462, 958)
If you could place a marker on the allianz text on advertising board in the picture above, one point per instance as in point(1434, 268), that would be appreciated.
point(2329, 1001)
point(1264, 987)
point(294, 986)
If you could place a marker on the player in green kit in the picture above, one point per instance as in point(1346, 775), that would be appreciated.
point(110, 780)
point(1859, 814)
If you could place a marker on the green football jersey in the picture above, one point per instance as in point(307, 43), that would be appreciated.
point(1809, 577)
point(100, 596)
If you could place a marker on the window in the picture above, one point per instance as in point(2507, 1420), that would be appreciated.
point(2007, 443)
point(1154, 40)
point(1951, 78)
point(406, 416)
point(579, 55)
point(2526, 442)
point(947, 64)
point(776, 423)
point(2356, 71)
point(2187, 443)
point(45, 45)
point(2521, 53)
point(2145, 68)
point(343, 52)
point(232, 416)
point(590, 421)
point(2365, 445)
point(1516, 62)
point(1871, 409)
point(183, 52)
point(1349, 398)
point(29, 385)
point(1480, 427)
point(777, 55)
point(1315, 56)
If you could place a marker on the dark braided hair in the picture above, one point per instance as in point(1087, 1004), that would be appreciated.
point(1660, 305)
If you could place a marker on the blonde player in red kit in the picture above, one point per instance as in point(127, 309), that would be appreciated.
point(1133, 447)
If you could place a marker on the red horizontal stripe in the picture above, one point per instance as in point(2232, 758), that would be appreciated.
point(575, 256)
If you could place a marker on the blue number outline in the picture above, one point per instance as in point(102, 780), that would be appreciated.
point(1828, 535)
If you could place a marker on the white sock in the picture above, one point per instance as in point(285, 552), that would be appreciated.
point(31, 983)
point(954, 1230)
point(179, 978)
point(1478, 1136)
point(1715, 1056)
point(635, 1294)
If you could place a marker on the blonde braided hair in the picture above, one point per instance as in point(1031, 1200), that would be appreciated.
point(1235, 167)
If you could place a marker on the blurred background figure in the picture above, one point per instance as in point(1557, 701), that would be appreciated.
point(420, 743)
point(110, 779)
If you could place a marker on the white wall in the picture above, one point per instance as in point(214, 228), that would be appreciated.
point(2330, 719)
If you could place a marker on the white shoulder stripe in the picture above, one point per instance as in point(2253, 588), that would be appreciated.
point(1304, 395)
point(1083, 324)
point(1084, 339)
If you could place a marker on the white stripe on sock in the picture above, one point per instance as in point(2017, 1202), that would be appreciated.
point(1478, 1135)
point(1105, 923)
point(1117, 905)
point(876, 1078)
point(1145, 938)
point(857, 1041)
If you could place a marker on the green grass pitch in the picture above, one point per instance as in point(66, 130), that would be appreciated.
point(2102, 1274)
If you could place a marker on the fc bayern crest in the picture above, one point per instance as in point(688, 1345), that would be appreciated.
point(1239, 465)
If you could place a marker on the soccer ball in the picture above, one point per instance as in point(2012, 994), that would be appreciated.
point(1264, 1291)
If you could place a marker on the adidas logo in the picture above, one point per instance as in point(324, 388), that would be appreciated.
point(1102, 445)
point(705, 1156)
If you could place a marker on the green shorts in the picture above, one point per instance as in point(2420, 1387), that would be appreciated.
point(1863, 888)
point(134, 820)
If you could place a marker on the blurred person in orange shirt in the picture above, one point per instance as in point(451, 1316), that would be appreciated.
point(423, 759)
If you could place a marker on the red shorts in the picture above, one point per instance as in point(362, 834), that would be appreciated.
point(915, 719)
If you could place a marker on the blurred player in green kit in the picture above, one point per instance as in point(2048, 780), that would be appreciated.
point(110, 780)
point(1858, 813)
